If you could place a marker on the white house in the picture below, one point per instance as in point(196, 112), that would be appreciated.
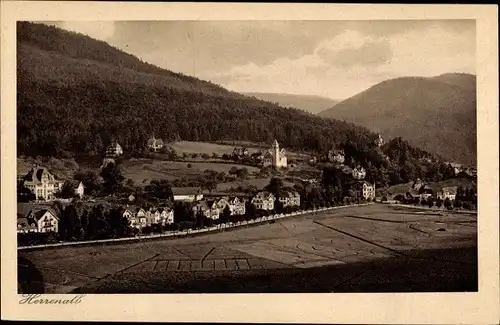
point(289, 199)
point(358, 173)
point(46, 220)
point(80, 190)
point(264, 201)
point(41, 183)
point(365, 190)
point(114, 150)
point(167, 216)
point(208, 208)
point(187, 194)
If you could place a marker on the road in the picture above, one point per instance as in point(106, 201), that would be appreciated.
point(375, 248)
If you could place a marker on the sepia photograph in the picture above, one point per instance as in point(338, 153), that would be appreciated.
point(211, 156)
point(246, 156)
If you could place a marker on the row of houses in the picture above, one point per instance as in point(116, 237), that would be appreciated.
point(422, 191)
point(142, 217)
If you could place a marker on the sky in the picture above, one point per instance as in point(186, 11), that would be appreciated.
point(335, 59)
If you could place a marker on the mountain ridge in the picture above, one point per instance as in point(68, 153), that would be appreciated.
point(309, 103)
point(444, 106)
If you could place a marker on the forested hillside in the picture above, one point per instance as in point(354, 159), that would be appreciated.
point(76, 93)
point(436, 114)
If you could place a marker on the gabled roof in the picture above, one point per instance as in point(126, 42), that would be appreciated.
point(35, 175)
point(186, 190)
point(38, 214)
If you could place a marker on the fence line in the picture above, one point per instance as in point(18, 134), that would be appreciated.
point(190, 232)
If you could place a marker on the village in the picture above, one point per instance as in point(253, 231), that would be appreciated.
point(41, 205)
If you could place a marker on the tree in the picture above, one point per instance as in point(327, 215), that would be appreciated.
point(67, 191)
point(113, 178)
point(250, 210)
point(118, 224)
point(439, 203)
point(242, 172)
point(90, 180)
point(205, 156)
point(200, 219)
point(233, 170)
point(183, 211)
point(447, 203)
point(24, 194)
point(275, 186)
point(430, 202)
point(70, 226)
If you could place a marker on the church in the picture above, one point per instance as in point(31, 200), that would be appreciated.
point(275, 156)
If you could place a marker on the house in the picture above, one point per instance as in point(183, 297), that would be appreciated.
point(264, 201)
point(127, 213)
point(364, 190)
point(166, 216)
point(187, 194)
point(79, 189)
point(46, 220)
point(142, 217)
point(24, 225)
point(222, 203)
point(153, 216)
point(275, 156)
point(336, 156)
point(155, 144)
point(447, 193)
point(289, 199)
point(237, 205)
point(208, 208)
point(359, 173)
point(41, 183)
point(114, 150)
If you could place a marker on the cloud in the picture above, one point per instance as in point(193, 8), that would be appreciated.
point(331, 58)
point(352, 48)
point(352, 61)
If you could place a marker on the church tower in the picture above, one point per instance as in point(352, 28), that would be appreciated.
point(276, 153)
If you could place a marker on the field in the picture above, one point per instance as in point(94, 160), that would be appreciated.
point(205, 147)
point(219, 148)
point(375, 248)
point(147, 169)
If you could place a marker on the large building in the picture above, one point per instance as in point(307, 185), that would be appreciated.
point(364, 190)
point(275, 156)
point(41, 183)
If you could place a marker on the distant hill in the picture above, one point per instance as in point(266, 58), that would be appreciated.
point(436, 114)
point(309, 103)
